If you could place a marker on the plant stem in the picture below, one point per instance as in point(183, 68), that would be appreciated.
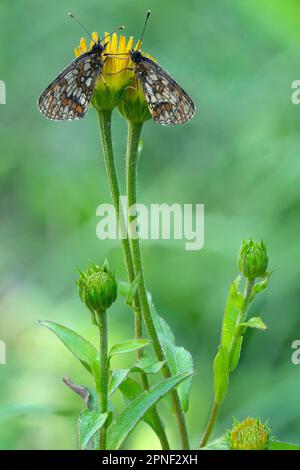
point(134, 132)
point(210, 424)
point(102, 322)
point(241, 317)
point(104, 119)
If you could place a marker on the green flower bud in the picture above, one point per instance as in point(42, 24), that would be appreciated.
point(250, 434)
point(133, 105)
point(97, 287)
point(253, 259)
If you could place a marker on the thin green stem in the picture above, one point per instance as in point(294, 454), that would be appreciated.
point(210, 424)
point(104, 119)
point(134, 132)
point(102, 322)
point(241, 317)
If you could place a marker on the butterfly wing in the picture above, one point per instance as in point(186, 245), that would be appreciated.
point(167, 101)
point(69, 95)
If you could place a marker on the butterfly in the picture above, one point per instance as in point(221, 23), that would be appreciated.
point(69, 95)
point(168, 103)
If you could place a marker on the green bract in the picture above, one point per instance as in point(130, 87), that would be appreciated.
point(250, 434)
point(97, 287)
point(253, 259)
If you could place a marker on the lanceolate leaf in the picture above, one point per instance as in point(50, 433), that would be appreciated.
point(235, 354)
point(131, 390)
point(135, 411)
point(260, 286)
point(233, 307)
point(147, 364)
point(221, 374)
point(128, 346)
point(254, 322)
point(178, 358)
point(80, 347)
point(89, 423)
point(117, 377)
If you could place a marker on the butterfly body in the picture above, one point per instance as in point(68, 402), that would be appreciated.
point(70, 93)
point(168, 103)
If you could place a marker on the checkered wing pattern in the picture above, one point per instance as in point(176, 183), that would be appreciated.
point(69, 95)
point(167, 101)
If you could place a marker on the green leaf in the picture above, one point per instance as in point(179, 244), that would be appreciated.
point(233, 307)
point(178, 358)
point(117, 377)
point(221, 374)
point(89, 423)
point(135, 411)
point(254, 322)
point(80, 347)
point(128, 346)
point(277, 445)
point(218, 444)
point(131, 390)
point(132, 290)
point(235, 354)
point(260, 285)
point(147, 364)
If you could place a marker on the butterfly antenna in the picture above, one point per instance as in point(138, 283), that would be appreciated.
point(139, 44)
point(118, 29)
point(83, 27)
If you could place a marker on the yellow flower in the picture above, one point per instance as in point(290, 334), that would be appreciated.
point(115, 78)
point(250, 434)
point(122, 88)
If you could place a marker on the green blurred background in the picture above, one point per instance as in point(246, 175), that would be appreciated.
point(239, 156)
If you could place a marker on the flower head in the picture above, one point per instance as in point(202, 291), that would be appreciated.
point(118, 84)
point(250, 434)
point(115, 74)
point(253, 259)
point(97, 287)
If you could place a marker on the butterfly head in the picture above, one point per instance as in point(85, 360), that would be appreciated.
point(98, 47)
point(136, 56)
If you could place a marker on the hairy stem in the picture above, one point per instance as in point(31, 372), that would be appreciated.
point(134, 132)
point(211, 422)
point(104, 119)
point(102, 322)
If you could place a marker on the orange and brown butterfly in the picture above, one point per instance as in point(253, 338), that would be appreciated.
point(70, 93)
point(168, 103)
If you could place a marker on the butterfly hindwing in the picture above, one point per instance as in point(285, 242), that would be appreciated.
point(69, 95)
point(167, 101)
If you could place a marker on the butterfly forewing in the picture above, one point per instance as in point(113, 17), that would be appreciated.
point(69, 95)
point(167, 101)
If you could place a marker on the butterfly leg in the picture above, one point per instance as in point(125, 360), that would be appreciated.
point(104, 81)
point(135, 86)
point(122, 70)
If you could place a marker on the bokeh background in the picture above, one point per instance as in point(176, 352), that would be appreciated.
point(240, 156)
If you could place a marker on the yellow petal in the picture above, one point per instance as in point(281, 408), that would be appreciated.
point(122, 44)
point(114, 43)
point(82, 45)
point(129, 44)
point(95, 39)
